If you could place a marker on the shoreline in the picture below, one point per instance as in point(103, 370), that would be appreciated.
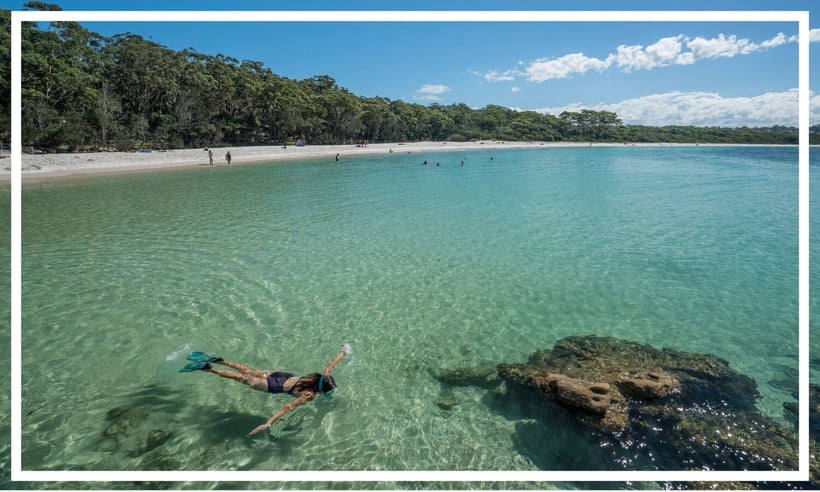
point(46, 167)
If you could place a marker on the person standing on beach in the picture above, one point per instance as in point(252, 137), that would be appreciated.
point(337, 158)
point(211, 156)
point(228, 157)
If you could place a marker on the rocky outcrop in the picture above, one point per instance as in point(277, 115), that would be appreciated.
point(665, 408)
point(607, 399)
point(649, 385)
point(593, 397)
point(590, 374)
point(602, 401)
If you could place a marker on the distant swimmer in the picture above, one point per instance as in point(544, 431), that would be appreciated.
point(304, 388)
point(425, 162)
point(337, 157)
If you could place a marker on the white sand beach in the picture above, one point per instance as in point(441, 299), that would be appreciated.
point(45, 166)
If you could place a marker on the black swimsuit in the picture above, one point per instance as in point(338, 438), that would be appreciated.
point(276, 382)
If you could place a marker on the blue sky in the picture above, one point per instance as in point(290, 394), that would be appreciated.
point(700, 73)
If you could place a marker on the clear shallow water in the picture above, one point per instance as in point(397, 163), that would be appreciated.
point(420, 268)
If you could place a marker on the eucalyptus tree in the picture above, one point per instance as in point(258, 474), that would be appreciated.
point(5, 76)
point(407, 120)
point(281, 103)
point(344, 111)
point(592, 125)
point(60, 78)
point(378, 121)
point(458, 119)
point(147, 77)
point(333, 112)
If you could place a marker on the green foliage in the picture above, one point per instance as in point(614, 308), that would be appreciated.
point(81, 91)
point(5, 75)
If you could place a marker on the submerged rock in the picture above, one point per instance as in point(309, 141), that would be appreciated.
point(486, 376)
point(155, 438)
point(122, 423)
point(792, 413)
point(447, 401)
point(126, 432)
point(679, 410)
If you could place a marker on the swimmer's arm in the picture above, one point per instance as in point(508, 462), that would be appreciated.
point(334, 362)
point(306, 397)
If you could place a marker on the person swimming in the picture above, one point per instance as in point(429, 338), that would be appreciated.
point(304, 388)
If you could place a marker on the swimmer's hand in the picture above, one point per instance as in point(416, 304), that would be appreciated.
point(259, 429)
point(346, 348)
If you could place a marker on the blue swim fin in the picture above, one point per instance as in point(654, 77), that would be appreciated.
point(195, 366)
point(202, 357)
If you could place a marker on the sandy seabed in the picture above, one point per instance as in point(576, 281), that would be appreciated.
point(37, 167)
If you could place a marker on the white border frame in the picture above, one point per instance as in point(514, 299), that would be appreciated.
point(801, 17)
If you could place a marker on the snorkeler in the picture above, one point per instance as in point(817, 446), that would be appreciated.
point(303, 388)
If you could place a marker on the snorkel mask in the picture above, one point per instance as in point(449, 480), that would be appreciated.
point(328, 394)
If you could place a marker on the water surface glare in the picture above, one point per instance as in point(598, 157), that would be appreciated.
point(421, 268)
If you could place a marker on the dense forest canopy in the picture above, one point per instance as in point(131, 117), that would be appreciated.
point(81, 90)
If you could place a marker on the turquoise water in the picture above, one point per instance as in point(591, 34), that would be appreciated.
point(421, 268)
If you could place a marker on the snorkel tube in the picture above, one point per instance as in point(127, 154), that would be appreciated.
point(328, 394)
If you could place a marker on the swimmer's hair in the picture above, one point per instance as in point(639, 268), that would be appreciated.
point(311, 383)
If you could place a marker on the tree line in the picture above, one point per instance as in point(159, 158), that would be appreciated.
point(82, 90)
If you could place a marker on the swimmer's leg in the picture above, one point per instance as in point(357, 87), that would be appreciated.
point(243, 369)
point(255, 382)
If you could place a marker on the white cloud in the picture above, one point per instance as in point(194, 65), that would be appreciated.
point(814, 36)
point(665, 52)
point(704, 109)
point(494, 76)
point(516, 89)
point(672, 50)
point(434, 89)
point(561, 68)
point(778, 40)
point(431, 92)
point(666, 49)
point(720, 46)
point(631, 57)
point(687, 58)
